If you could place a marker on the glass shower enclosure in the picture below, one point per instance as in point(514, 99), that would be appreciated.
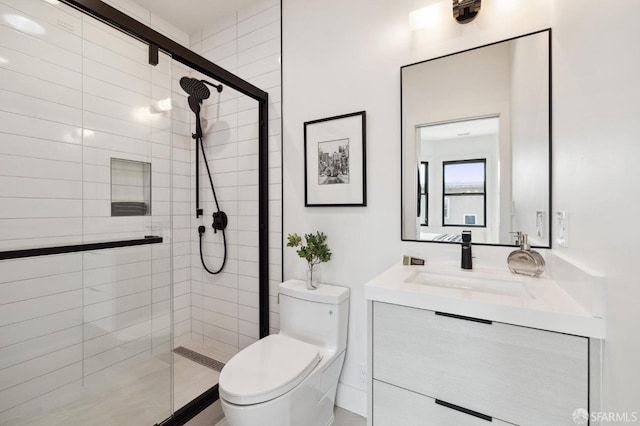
point(99, 277)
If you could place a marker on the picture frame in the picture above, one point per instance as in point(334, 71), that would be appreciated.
point(335, 172)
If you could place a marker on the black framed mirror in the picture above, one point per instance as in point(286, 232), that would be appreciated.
point(481, 119)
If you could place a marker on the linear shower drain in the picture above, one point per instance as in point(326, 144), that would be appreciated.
point(194, 356)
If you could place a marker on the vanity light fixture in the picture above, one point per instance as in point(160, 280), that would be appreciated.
point(465, 10)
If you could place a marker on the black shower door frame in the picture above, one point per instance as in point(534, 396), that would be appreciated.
point(156, 42)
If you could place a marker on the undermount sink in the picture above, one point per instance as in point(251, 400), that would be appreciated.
point(474, 282)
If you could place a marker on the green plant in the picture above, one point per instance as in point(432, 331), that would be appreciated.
point(316, 249)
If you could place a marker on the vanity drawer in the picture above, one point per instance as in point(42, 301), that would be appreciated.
point(396, 406)
point(517, 374)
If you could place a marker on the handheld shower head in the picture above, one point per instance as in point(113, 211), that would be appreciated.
point(194, 104)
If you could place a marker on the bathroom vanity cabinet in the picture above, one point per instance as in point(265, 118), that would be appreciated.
point(433, 368)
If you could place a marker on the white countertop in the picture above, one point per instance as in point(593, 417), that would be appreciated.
point(547, 306)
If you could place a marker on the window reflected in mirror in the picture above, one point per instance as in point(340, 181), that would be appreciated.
point(465, 188)
point(459, 173)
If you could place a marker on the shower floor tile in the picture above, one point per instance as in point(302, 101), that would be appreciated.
point(139, 395)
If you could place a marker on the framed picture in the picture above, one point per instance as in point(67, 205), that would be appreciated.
point(335, 161)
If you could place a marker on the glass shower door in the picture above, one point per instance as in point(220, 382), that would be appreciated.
point(127, 153)
point(85, 178)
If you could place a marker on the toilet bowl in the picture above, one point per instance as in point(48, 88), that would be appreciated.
point(291, 378)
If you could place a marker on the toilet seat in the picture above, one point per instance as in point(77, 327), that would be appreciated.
point(267, 369)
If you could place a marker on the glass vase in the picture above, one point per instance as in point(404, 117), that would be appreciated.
point(313, 277)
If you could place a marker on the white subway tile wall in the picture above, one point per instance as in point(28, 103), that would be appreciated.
point(150, 19)
point(225, 308)
point(73, 94)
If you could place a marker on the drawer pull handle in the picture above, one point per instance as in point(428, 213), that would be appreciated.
point(464, 410)
point(462, 317)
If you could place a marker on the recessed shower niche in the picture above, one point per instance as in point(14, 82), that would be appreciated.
point(130, 188)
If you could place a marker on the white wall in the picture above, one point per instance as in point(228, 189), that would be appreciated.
point(340, 57)
point(595, 104)
point(150, 19)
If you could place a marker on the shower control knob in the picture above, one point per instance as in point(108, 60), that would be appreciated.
point(219, 221)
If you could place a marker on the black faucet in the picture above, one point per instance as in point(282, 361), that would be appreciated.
point(466, 250)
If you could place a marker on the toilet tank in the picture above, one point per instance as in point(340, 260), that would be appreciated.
point(318, 316)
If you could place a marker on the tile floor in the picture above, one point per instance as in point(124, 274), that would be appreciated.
point(137, 395)
point(140, 395)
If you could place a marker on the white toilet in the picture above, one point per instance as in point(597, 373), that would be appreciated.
point(290, 378)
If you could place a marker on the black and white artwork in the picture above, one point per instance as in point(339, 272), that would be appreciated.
point(333, 162)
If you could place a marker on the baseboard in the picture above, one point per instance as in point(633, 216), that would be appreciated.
point(352, 399)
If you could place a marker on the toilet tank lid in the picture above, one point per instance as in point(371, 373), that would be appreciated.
point(325, 293)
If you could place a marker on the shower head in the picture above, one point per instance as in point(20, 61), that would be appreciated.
point(195, 88)
point(197, 92)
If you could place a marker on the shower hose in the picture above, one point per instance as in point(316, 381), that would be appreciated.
point(215, 198)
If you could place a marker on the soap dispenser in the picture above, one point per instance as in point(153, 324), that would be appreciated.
point(525, 261)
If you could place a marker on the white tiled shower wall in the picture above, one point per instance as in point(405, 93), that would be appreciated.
point(222, 310)
point(73, 94)
point(225, 307)
point(66, 103)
